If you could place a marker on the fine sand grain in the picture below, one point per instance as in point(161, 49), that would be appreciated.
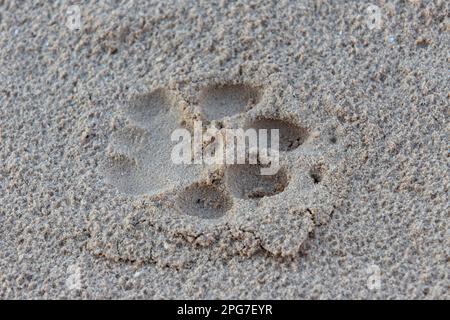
point(92, 206)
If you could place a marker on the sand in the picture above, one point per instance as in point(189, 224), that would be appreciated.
point(92, 206)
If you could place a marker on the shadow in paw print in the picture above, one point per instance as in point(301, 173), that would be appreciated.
point(316, 173)
point(291, 135)
point(246, 181)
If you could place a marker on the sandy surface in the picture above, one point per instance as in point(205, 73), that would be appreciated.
point(92, 206)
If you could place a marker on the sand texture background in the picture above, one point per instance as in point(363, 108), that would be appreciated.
point(92, 207)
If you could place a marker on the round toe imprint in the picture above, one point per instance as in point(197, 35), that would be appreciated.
point(290, 135)
point(144, 109)
point(220, 101)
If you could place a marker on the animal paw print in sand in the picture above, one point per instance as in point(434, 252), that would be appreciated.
point(179, 210)
point(139, 159)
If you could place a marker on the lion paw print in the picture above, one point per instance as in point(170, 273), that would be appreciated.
point(178, 210)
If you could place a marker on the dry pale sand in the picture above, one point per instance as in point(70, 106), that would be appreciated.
point(93, 207)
